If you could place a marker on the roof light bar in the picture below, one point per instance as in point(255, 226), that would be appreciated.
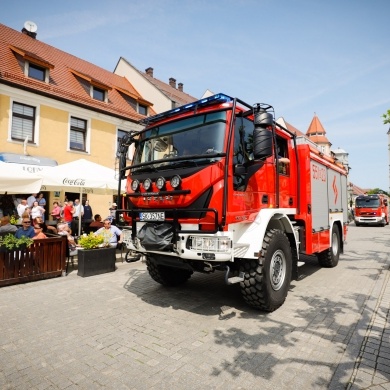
point(218, 98)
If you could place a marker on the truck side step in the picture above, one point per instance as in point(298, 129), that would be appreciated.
point(233, 279)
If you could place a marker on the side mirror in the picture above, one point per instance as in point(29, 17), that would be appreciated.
point(262, 143)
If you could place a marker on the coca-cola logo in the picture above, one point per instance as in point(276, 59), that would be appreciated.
point(74, 182)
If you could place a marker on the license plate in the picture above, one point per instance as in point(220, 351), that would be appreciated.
point(152, 216)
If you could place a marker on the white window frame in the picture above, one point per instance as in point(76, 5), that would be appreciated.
point(87, 135)
point(35, 140)
point(27, 67)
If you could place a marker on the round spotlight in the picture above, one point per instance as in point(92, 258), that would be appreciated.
point(175, 181)
point(160, 183)
point(135, 185)
point(147, 184)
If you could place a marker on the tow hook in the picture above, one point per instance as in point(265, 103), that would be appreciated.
point(233, 279)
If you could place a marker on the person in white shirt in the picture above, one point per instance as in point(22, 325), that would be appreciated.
point(21, 208)
point(78, 208)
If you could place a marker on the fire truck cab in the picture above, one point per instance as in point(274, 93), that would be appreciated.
point(371, 210)
point(218, 185)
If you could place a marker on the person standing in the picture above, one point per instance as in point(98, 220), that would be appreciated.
point(31, 199)
point(68, 212)
point(56, 212)
point(21, 208)
point(37, 211)
point(88, 216)
point(112, 211)
point(42, 202)
point(78, 210)
point(26, 230)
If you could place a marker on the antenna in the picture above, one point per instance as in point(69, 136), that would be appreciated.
point(30, 26)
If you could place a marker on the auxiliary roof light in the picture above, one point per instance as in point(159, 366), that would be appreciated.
point(135, 185)
point(160, 183)
point(175, 181)
point(147, 184)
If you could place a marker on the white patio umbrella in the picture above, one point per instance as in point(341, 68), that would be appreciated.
point(14, 180)
point(81, 176)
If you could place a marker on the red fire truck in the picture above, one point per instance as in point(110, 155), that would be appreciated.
point(371, 210)
point(218, 185)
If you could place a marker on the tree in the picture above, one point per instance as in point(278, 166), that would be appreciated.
point(377, 191)
point(386, 117)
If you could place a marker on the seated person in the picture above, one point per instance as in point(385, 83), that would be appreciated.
point(45, 228)
point(26, 229)
point(97, 221)
point(6, 226)
point(63, 229)
point(38, 229)
point(110, 234)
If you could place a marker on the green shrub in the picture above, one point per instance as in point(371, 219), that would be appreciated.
point(91, 241)
point(10, 242)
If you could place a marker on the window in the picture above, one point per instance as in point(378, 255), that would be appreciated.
point(143, 110)
point(36, 72)
point(78, 132)
point(98, 94)
point(23, 121)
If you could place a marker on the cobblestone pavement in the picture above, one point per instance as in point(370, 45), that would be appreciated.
point(124, 331)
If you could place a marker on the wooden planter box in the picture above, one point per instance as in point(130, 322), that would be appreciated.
point(96, 261)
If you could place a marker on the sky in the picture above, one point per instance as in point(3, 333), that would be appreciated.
point(328, 58)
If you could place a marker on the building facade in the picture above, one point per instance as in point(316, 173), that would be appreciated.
point(56, 108)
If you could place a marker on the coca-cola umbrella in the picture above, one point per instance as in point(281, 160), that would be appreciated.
point(81, 176)
point(13, 180)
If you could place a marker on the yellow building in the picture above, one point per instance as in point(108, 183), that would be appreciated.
point(56, 108)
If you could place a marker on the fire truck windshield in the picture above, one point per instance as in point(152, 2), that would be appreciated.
point(367, 201)
point(199, 138)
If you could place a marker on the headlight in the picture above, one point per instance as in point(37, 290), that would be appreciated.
point(147, 184)
point(209, 244)
point(175, 181)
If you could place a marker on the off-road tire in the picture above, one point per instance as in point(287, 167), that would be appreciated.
point(165, 275)
point(330, 257)
point(267, 279)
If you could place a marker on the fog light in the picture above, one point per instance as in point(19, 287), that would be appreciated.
point(160, 183)
point(175, 181)
point(135, 185)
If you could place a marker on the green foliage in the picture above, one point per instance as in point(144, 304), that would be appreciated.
point(386, 117)
point(10, 242)
point(377, 191)
point(91, 241)
point(13, 220)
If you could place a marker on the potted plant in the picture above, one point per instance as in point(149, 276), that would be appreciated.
point(94, 256)
point(10, 243)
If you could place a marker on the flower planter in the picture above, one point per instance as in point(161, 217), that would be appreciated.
point(95, 261)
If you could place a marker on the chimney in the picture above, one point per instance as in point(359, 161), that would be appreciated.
point(149, 71)
point(29, 33)
point(172, 82)
point(180, 87)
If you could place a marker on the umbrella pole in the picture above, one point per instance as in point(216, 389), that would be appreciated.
point(81, 204)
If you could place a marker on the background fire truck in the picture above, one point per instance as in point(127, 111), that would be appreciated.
point(218, 185)
point(371, 210)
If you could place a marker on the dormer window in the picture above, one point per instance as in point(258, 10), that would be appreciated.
point(138, 104)
point(33, 66)
point(98, 93)
point(96, 89)
point(143, 110)
point(36, 72)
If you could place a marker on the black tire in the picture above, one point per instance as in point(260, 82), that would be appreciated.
point(132, 256)
point(165, 275)
point(330, 257)
point(267, 279)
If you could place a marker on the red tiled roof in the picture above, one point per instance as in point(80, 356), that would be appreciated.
point(64, 84)
point(294, 129)
point(179, 97)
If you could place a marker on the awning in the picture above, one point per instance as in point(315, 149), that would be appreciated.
point(28, 160)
